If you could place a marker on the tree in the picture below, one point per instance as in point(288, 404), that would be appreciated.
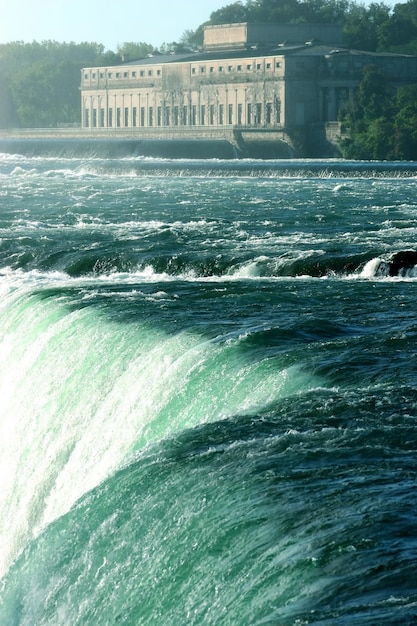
point(405, 124)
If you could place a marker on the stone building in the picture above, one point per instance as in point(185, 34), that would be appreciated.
point(252, 78)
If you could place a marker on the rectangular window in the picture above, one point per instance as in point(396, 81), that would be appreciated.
point(134, 74)
point(126, 116)
point(249, 114)
point(239, 114)
point(102, 118)
point(142, 73)
point(126, 75)
point(110, 74)
point(221, 113)
point(203, 115)
point(142, 116)
point(212, 70)
point(230, 114)
point(134, 116)
point(87, 118)
point(159, 114)
point(167, 121)
point(202, 70)
point(258, 119)
point(118, 117)
point(176, 116)
point(150, 72)
point(211, 114)
point(268, 113)
point(158, 72)
point(184, 115)
point(117, 74)
point(110, 114)
point(194, 115)
point(249, 67)
point(150, 116)
point(94, 118)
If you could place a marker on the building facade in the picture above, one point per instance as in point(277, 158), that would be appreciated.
point(258, 77)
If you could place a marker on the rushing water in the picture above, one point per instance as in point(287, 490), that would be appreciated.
point(208, 394)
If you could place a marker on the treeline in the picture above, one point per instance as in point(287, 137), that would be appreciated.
point(381, 124)
point(39, 82)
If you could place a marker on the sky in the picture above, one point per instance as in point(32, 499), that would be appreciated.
point(108, 23)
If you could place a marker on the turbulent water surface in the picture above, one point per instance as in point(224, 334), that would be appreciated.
point(208, 393)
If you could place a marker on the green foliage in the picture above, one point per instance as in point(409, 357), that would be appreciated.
point(130, 51)
point(381, 125)
point(39, 82)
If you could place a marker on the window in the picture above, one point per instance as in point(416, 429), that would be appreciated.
point(126, 116)
point(203, 115)
point(134, 116)
point(268, 66)
point(194, 115)
point(184, 115)
point(87, 118)
point(258, 66)
point(239, 68)
point(94, 118)
point(176, 116)
point(211, 114)
point(117, 74)
point(268, 113)
point(221, 113)
point(220, 68)
point(150, 72)
point(230, 114)
point(278, 64)
point(159, 118)
point(158, 72)
point(230, 68)
point(142, 73)
point(258, 113)
point(249, 66)
point(110, 74)
point(142, 116)
point(110, 114)
point(102, 117)
point(85, 76)
point(93, 75)
point(212, 70)
point(249, 114)
point(239, 114)
point(202, 70)
point(134, 74)
point(193, 70)
point(118, 117)
point(126, 75)
point(150, 116)
point(101, 74)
